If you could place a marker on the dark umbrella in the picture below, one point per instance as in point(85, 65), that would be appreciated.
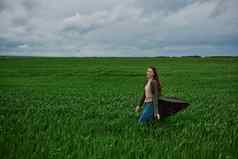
point(170, 105)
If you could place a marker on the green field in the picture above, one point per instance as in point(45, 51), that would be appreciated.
point(84, 108)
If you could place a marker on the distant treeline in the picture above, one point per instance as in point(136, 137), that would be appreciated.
point(193, 56)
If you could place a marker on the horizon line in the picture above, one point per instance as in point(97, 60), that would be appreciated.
point(194, 56)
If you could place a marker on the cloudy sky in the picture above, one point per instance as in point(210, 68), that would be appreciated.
point(118, 27)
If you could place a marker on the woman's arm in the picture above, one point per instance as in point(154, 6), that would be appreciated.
point(154, 87)
point(141, 102)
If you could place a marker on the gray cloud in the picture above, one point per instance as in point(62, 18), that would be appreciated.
point(118, 28)
point(224, 7)
point(166, 7)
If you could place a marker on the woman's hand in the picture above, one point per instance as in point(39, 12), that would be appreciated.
point(158, 116)
point(137, 108)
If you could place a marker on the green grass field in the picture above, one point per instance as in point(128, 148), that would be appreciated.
point(84, 108)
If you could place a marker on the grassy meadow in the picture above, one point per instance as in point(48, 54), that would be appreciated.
point(84, 108)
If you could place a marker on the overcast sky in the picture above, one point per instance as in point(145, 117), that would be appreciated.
point(118, 27)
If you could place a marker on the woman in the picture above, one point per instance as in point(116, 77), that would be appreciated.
point(149, 100)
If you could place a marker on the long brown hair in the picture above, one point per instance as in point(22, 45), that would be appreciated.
point(156, 77)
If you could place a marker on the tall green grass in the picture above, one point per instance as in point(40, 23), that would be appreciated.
point(84, 108)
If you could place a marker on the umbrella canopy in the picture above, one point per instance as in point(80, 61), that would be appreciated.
point(170, 105)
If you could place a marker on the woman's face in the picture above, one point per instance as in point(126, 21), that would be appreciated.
point(149, 73)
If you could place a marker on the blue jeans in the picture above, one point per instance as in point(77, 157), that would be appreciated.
point(148, 113)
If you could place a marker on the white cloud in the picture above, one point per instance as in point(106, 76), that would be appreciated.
point(23, 46)
point(114, 28)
